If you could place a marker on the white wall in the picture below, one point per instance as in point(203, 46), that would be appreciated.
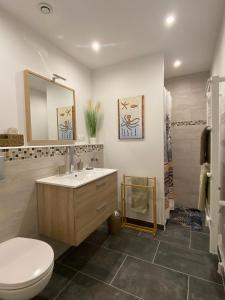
point(23, 49)
point(145, 76)
point(218, 69)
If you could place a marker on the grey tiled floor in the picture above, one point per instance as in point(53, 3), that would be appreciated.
point(175, 265)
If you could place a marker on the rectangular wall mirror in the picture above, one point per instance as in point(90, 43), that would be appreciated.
point(50, 111)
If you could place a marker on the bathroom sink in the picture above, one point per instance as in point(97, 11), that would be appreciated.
point(81, 175)
point(77, 178)
point(85, 174)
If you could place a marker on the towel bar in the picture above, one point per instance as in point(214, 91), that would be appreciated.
point(136, 224)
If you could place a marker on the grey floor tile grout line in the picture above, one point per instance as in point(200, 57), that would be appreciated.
point(149, 262)
point(188, 287)
point(223, 281)
point(185, 247)
point(104, 247)
point(203, 251)
point(155, 239)
point(187, 274)
point(113, 286)
point(64, 255)
point(190, 240)
point(156, 251)
point(88, 275)
point(164, 267)
point(93, 277)
point(118, 270)
point(68, 283)
point(155, 264)
point(69, 267)
point(204, 233)
point(113, 250)
point(117, 251)
point(144, 260)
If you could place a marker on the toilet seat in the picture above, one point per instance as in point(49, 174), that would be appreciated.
point(24, 262)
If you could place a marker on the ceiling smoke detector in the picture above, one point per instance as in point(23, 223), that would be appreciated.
point(45, 8)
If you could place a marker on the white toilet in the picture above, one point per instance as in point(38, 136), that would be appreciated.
point(26, 267)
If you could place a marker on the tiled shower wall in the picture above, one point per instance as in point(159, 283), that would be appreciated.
point(18, 204)
point(188, 121)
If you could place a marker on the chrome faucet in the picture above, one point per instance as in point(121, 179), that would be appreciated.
point(69, 158)
point(78, 164)
point(73, 161)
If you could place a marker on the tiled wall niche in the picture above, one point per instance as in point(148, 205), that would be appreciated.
point(18, 205)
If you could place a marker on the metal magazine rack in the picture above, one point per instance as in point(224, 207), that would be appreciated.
point(145, 189)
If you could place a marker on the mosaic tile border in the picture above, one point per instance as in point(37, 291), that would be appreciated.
point(22, 153)
point(188, 123)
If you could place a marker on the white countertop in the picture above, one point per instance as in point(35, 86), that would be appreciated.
point(77, 179)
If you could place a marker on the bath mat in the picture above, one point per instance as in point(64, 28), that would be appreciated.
point(188, 217)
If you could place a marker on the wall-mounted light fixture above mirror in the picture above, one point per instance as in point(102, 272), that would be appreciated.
point(50, 111)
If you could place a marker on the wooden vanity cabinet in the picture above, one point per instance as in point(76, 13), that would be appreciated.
point(69, 214)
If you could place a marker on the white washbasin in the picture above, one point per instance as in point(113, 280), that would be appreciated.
point(76, 179)
point(81, 175)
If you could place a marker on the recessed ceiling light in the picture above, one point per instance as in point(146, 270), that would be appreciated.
point(45, 8)
point(95, 46)
point(177, 63)
point(170, 20)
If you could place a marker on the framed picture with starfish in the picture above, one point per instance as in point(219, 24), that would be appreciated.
point(131, 117)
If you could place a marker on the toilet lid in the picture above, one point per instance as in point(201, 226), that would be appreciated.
point(23, 262)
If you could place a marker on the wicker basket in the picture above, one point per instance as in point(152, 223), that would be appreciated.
point(10, 140)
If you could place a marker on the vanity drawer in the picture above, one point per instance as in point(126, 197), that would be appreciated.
point(94, 203)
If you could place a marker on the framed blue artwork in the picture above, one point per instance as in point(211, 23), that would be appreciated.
point(131, 117)
point(65, 120)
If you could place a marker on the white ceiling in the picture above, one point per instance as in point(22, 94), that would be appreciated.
point(127, 29)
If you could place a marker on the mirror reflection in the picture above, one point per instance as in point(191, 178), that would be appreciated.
point(52, 115)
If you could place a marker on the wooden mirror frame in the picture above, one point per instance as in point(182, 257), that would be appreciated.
point(30, 141)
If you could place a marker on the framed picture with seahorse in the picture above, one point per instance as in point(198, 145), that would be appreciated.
point(131, 117)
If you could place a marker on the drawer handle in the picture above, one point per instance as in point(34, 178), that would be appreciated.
point(101, 207)
point(98, 185)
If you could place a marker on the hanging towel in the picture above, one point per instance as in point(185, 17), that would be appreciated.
point(203, 187)
point(205, 146)
point(139, 196)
